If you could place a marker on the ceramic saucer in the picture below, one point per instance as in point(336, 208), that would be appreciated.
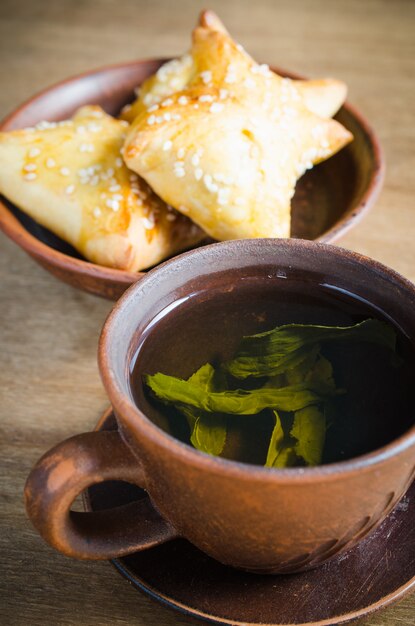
point(378, 571)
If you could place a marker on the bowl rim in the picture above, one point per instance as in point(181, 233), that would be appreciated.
point(16, 231)
point(135, 419)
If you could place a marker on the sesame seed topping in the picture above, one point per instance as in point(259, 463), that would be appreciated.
point(239, 201)
point(167, 145)
point(195, 159)
point(171, 217)
point(50, 163)
point(167, 103)
point(176, 116)
point(153, 107)
point(159, 119)
point(33, 152)
point(115, 188)
point(182, 100)
point(167, 117)
point(216, 107)
point(151, 120)
point(112, 204)
point(249, 82)
point(30, 167)
point(97, 114)
point(86, 147)
point(206, 76)
point(70, 189)
point(118, 197)
point(179, 172)
point(196, 106)
point(223, 93)
point(97, 211)
point(118, 162)
point(30, 176)
point(205, 98)
point(198, 173)
point(94, 128)
point(180, 153)
point(149, 222)
point(65, 171)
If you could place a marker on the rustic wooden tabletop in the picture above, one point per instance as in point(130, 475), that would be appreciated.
point(49, 383)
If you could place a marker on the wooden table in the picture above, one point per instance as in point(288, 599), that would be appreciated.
point(50, 387)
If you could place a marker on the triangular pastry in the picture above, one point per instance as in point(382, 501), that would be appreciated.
point(228, 148)
point(69, 176)
point(324, 97)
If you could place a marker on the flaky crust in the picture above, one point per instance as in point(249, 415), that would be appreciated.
point(70, 177)
point(228, 148)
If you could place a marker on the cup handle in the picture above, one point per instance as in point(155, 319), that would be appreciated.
point(71, 467)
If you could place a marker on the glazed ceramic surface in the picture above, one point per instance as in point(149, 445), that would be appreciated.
point(253, 518)
point(328, 200)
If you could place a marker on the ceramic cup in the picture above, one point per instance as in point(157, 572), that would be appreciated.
point(247, 516)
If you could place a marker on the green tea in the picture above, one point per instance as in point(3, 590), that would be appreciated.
point(299, 376)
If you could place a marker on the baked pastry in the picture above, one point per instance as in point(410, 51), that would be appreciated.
point(69, 176)
point(228, 148)
point(323, 97)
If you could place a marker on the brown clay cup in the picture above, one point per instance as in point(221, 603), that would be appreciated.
point(259, 519)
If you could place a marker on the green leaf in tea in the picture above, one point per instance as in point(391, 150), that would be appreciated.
point(288, 374)
point(278, 350)
point(238, 402)
point(309, 429)
point(207, 431)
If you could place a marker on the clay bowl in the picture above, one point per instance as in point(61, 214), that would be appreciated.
point(329, 199)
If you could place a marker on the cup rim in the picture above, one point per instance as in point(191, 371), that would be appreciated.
point(135, 419)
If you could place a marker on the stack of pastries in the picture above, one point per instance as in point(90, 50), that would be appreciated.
point(212, 146)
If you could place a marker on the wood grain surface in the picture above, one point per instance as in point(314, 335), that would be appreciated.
point(49, 383)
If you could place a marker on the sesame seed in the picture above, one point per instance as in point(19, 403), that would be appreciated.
point(94, 181)
point(216, 107)
point(180, 153)
point(118, 197)
point(205, 98)
point(115, 188)
point(133, 178)
point(223, 93)
point(97, 114)
point(249, 83)
point(81, 129)
point(94, 128)
point(86, 147)
point(179, 172)
point(167, 145)
point(110, 172)
point(206, 76)
point(171, 217)
point(196, 106)
point(153, 107)
point(159, 119)
point(50, 163)
point(176, 116)
point(207, 179)
point(126, 108)
point(112, 204)
point(97, 211)
point(195, 159)
point(149, 222)
point(64, 171)
point(167, 103)
point(33, 152)
point(30, 176)
point(70, 189)
point(30, 167)
point(182, 100)
point(118, 162)
point(151, 120)
point(167, 117)
point(239, 201)
point(198, 173)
